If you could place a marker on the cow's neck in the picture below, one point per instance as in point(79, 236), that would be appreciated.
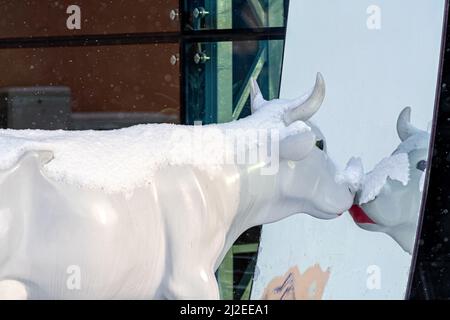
point(260, 202)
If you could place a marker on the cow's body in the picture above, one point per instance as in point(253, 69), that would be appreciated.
point(114, 241)
point(164, 239)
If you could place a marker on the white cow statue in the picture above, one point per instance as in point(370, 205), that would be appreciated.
point(395, 209)
point(68, 230)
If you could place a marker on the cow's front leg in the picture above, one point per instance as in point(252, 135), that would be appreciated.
point(13, 290)
point(192, 256)
point(190, 268)
point(195, 230)
point(190, 274)
point(194, 284)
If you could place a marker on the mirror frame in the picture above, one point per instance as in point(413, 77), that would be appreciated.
point(435, 185)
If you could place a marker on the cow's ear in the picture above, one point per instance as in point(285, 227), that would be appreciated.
point(296, 147)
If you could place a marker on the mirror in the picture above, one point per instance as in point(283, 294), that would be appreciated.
point(380, 63)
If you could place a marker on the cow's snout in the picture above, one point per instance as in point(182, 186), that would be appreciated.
point(349, 198)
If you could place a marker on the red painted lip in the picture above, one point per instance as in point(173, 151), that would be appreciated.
point(359, 216)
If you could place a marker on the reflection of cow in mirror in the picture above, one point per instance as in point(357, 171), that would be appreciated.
point(165, 239)
point(395, 210)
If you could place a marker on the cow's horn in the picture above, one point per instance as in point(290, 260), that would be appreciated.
point(256, 97)
point(301, 109)
point(404, 127)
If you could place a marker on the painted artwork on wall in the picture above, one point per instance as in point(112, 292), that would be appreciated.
point(380, 63)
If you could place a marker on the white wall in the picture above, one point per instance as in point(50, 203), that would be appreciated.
point(371, 76)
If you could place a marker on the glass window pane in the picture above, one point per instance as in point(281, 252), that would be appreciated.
point(236, 14)
point(217, 76)
point(34, 18)
point(107, 86)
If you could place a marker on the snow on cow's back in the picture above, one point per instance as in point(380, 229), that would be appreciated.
point(111, 160)
point(124, 159)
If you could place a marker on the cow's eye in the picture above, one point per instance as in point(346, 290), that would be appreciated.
point(421, 165)
point(319, 144)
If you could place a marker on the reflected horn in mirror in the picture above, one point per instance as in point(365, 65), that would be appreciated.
point(404, 127)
